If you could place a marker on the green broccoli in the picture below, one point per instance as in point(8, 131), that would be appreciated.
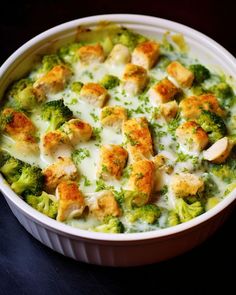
point(187, 212)
point(11, 168)
point(223, 90)
point(110, 81)
point(27, 99)
point(76, 86)
point(134, 198)
point(128, 38)
point(226, 171)
point(231, 187)
point(45, 203)
point(30, 181)
point(213, 125)
point(211, 202)
point(68, 52)
point(110, 224)
point(210, 186)
point(48, 62)
point(148, 213)
point(200, 73)
point(224, 93)
point(4, 156)
point(56, 113)
point(173, 218)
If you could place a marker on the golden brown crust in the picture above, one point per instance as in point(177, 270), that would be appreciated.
point(186, 184)
point(191, 107)
point(106, 206)
point(182, 75)
point(146, 54)
point(53, 81)
point(113, 116)
point(94, 94)
point(60, 170)
point(77, 130)
point(138, 138)
point(169, 110)
point(91, 53)
point(22, 129)
point(71, 200)
point(54, 140)
point(135, 78)
point(192, 135)
point(112, 161)
point(142, 177)
point(163, 91)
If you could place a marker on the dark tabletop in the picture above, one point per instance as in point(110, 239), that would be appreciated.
point(28, 267)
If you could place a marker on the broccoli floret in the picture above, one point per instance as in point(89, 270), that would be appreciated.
point(200, 73)
point(148, 213)
point(230, 188)
point(45, 203)
point(4, 156)
point(76, 86)
point(224, 93)
point(213, 125)
point(56, 113)
point(223, 90)
point(133, 198)
point(11, 168)
point(128, 38)
point(110, 81)
point(110, 224)
point(187, 212)
point(211, 202)
point(68, 52)
point(48, 62)
point(30, 181)
point(226, 171)
point(210, 187)
point(26, 99)
point(173, 218)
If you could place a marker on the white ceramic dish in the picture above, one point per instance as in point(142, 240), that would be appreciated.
point(116, 249)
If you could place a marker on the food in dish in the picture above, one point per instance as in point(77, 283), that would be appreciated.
point(116, 132)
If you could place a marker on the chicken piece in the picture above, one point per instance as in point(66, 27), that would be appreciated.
point(191, 107)
point(219, 151)
point(89, 54)
point(56, 143)
point(146, 54)
point(161, 163)
point(169, 110)
point(77, 130)
point(135, 79)
point(54, 81)
point(112, 161)
point(191, 135)
point(182, 75)
point(142, 177)
point(138, 138)
point(61, 170)
point(186, 184)
point(162, 92)
point(17, 125)
point(94, 94)
point(104, 205)
point(71, 202)
point(119, 55)
point(113, 116)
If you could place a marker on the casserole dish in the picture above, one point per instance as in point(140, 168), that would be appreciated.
point(113, 249)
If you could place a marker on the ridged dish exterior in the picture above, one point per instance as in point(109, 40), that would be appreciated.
point(119, 253)
point(127, 249)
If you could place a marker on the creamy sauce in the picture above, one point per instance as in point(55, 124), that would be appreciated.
point(137, 106)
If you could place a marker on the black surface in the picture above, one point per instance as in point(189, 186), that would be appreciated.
point(28, 267)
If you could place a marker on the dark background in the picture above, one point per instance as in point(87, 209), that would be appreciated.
point(28, 267)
